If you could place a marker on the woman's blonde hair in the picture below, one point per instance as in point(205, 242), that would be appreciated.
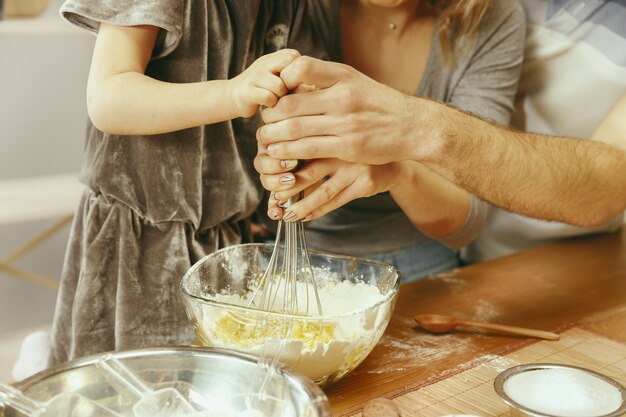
point(458, 19)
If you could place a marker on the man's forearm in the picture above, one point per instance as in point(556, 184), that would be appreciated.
point(568, 180)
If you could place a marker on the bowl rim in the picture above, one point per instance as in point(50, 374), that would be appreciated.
point(393, 291)
point(318, 398)
point(504, 376)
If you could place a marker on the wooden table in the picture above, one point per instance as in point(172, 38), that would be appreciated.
point(575, 283)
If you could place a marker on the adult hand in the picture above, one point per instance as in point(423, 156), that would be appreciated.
point(349, 116)
point(327, 184)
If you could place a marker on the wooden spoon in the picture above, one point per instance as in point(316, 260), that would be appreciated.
point(437, 323)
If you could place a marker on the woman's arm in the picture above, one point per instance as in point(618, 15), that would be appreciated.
point(434, 205)
point(121, 99)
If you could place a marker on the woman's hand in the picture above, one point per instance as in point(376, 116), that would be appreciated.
point(434, 205)
point(327, 184)
point(349, 116)
point(260, 84)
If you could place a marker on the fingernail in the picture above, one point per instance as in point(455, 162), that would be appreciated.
point(289, 216)
point(274, 214)
point(276, 196)
point(288, 163)
point(287, 179)
point(271, 150)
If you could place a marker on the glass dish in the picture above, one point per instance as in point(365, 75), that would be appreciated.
point(324, 348)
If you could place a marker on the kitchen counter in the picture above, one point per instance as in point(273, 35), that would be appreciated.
point(575, 285)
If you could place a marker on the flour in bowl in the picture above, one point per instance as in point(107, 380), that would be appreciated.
point(323, 348)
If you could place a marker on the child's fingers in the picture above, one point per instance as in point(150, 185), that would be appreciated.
point(272, 83)
point(262, 97)
point(277, 61)
point(314, 71)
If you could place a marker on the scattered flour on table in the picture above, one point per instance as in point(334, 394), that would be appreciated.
point(417, 349)
point(450, 277)
point(484, 311)
point(497, 362)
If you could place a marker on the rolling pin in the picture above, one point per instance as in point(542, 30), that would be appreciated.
point(381, 407)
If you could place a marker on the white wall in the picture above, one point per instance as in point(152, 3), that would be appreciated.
point(43, 72)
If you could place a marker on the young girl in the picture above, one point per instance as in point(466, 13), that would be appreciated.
point(173, 93)
point(466, 53)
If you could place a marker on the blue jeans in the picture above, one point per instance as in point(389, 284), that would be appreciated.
point(421, 260)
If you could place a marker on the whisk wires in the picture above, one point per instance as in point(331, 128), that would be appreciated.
point(278, 291)
point(289, 264)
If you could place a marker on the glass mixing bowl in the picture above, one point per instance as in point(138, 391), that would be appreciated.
point(216, 380)
point(358, 296)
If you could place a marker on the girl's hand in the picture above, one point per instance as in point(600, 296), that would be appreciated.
point(327, 184)
point(260, 84)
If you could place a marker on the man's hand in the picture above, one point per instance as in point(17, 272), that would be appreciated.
point(349, 116)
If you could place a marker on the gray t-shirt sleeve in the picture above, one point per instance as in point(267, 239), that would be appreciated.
point(168, 15)
point(487, 89)
point(489, 82)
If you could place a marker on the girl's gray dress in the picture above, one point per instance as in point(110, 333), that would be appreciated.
point(154, 205)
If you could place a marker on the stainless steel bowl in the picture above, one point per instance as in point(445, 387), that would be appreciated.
point(521, 410)
point(208, 378)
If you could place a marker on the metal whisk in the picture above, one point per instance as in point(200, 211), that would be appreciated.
point(277, 291)
point(288, 265)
